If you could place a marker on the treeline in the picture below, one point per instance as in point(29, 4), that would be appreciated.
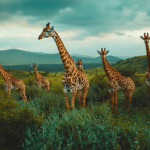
point(50, 67)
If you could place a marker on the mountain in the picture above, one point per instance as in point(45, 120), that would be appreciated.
point(20, 57)
point(138, 62)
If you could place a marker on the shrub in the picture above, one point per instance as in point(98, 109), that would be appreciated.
point(141, 94)
point(98, 90)
point(14, 123)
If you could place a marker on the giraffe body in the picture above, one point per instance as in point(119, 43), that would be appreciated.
point(11, 83)
point(40, 81)
point(146, 39)
point(73, 80)
point(117, 82)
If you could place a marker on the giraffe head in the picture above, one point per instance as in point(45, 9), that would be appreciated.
point(34, 65)
point(47, 32)
point(146, 38)
point(80, 64)
point(103, 53)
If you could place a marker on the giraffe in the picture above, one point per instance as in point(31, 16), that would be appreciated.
point(73, 80)
point(80, 65)
point(146, 39)
point(11, 83)
point(40, 81)
point(117, 82)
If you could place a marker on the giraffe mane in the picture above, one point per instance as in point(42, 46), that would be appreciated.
point(64, 46)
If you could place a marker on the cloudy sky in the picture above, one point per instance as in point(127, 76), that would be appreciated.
point(83, 25)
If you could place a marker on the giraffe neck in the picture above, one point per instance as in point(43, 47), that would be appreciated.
point(112, 70)
point(36, 73)
point(68, 62)
point(6, 75)
point(148, 55)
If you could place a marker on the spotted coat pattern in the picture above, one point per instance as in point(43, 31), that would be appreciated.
point(40, 81)
point(11, 83)
point(73, 81)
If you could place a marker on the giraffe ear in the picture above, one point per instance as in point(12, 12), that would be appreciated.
point(142, 37)
point(98, 52)
point(107, 52)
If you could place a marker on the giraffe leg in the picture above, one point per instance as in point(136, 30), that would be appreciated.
point(126, 98)
point(111, 101)
point(84, 96)
point(79, 97)
point(45, 89)
point(130, 97)
point(23, 96)
point(115, 100)
point(73, 96)
point(66, 100)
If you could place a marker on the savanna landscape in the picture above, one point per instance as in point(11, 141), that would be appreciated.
point(74, 75)
point(44, 122)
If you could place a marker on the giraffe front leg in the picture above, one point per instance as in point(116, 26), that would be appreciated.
point(79, 97)
point(73, 96)
point(66, 100)
point(115, 100)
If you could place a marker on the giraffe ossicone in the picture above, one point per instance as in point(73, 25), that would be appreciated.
point(72, 75)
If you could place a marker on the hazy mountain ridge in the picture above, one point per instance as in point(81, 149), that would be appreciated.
point(20, 57)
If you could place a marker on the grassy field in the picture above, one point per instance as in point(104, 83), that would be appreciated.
point(45, 124)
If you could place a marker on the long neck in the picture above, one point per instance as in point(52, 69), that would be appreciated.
point(148, 55)
point(6, 75)
point(68, 62)
point(36, 73)
point(106, 67)
point(112, 70)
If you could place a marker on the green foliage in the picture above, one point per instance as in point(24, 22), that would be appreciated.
point(15, 120)
point(141, 94)
point(98, 90)
point(126, 72)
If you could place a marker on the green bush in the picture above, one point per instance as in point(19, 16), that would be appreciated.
point(15, 119)
point(141, 94)
point(98, 90)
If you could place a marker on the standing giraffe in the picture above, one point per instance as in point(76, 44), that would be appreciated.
point(80, 65)
point(10, 83)
point(117, 82)
point(40, 81)
point(146, 39)
point(73, 80)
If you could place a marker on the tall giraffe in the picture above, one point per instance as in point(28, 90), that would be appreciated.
point(40, 81)
point(117, 82)
point(80, 65)
point(10, 83)
point(146, 39)
point(73, 80)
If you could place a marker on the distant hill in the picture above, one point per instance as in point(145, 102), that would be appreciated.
point(20, 57)
point(138, 62)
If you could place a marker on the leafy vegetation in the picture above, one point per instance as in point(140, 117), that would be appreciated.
point(45, 124)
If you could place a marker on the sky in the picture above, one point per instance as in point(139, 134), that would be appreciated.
point(83, 25)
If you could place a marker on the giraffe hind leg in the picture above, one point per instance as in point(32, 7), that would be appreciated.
point(79, 97)
point(73, 95)
point(84, 96)
point(130, 97)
